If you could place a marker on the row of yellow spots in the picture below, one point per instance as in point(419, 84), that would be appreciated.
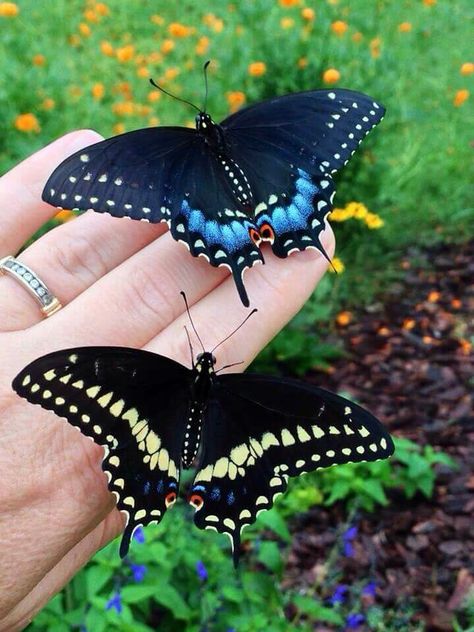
point(357, 210)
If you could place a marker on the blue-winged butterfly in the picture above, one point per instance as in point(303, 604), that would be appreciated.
point(246, 434)
point(262, 174)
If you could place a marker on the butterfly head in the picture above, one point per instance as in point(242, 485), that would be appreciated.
point(205, 362)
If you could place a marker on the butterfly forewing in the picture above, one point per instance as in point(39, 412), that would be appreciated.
point(261, 430)
point(129, 401)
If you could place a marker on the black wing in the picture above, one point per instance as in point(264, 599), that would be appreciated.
point(290, 147)
point(259, 431)
point(131, 402)
point(162, 174)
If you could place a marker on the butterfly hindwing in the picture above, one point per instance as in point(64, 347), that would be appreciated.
point(131, 402)
point(259, 431)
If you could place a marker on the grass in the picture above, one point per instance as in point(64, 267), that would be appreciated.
point(411, 171)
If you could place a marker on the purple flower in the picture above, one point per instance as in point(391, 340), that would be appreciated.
point(347, 538)
point(115, 602)
point(369, 589)
point(138, 572)
point(338, 595)
point(354, 620)
point(201, 571)
point(139, 535)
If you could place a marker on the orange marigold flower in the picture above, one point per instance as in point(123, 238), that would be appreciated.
point(344, 318)
point(408, 324)
point(9, 10)
point(107, 48)
point(124, 89)
point(175, 29)
point(27, 123)
point(434, 296)
point(383, 331)
point(235, 100)
point(456, 303)
point(308, 14)
point(287, 23)
point(125, 53)
point(91, 16)
point(84, 29)
point(157, 19)
point(171, 73)
point(357, 37)
point(289, 3)
point(64, 216)
point(98, 91)
point(375, 45)
point(124, 108)
point(302, 62)
point(153, 96)
point(404, 27)
point(39, 60)
point(429, 3)
point(102, 9)
point(467, 68)
point(460, 97)
point(331, 75)
point(203, 45)
point(167, 46)
point(48, 103)
point(466, 346)
point(217, 25)
point(143, 72)
point(339, 27)
point(257, 68)
point(153, 121)
point(118, 128)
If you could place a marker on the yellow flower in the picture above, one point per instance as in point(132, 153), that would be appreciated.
point(153, 96)
point(91, 16)
point(331, 75)
point(217, 25)
point(27, 123)
point(118, 128)
point(257, 68)
point(48, 103)
point(107, 48)
point(289, 3)
point(460, 97)
point(467, 68)
point(404, 27)
point(143, 72)
point(171, 73)
point(337, 266)
point(287, 23)
point(339, 27)
point(429, 3)
point(39, 60)
point(167, 46)
point(373, 221)
point(343, 318)
point(124, 89)
point(308, 14)
point(153, 121)
point(84, 29)
point(375, 45)
point(125, 53)
point(143, 110)
point(302, 62)
point(154, 58)
point(157, 19)
point(235, 100)
point(202, 46)
point(357, 37)
point(8, 10)
point(124, 108)
point(98, 91)
point(102, 9)
point(175, 29)
point(360, 211)
point(64, 216)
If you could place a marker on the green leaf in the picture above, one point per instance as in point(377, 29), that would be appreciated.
point(314, 609)
point(374, 489)
point(340, 489)
point(96, 578)
point(274, 521)
point(232, 593)
point(269, 554)
point(170, 598)
point(426, 484)
point(95, 619)
point(136, 593)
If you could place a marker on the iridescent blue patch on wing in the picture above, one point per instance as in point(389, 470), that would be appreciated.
point(199, 488)
point(160, 487)
point(146, 488)
point(232, 236)
point(215, 493)
point(230, 498)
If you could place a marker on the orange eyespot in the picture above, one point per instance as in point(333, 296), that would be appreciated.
point(266, 233)
point(255, 236)
point(196, 501)
point(170, 499)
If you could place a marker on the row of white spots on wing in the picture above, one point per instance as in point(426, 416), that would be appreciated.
point(238, 180)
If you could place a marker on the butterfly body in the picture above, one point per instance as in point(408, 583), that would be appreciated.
point(246, 434)
point(262, 174)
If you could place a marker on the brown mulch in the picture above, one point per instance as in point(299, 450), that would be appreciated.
point(409, 360)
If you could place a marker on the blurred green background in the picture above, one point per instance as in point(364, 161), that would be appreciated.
point(69, 64)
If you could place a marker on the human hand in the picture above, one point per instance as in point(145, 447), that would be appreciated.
point(119, 282)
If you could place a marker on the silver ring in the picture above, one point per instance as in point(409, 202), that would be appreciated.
point(36, 287)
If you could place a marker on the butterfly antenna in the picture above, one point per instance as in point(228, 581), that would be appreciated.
point(173, 96)
point(190, 345)
point(205, 81)
point(236, 329)
point(227, 366)
point(191, 320)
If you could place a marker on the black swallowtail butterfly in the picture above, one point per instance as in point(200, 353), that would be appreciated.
point(246, 433)
point(262, 174)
